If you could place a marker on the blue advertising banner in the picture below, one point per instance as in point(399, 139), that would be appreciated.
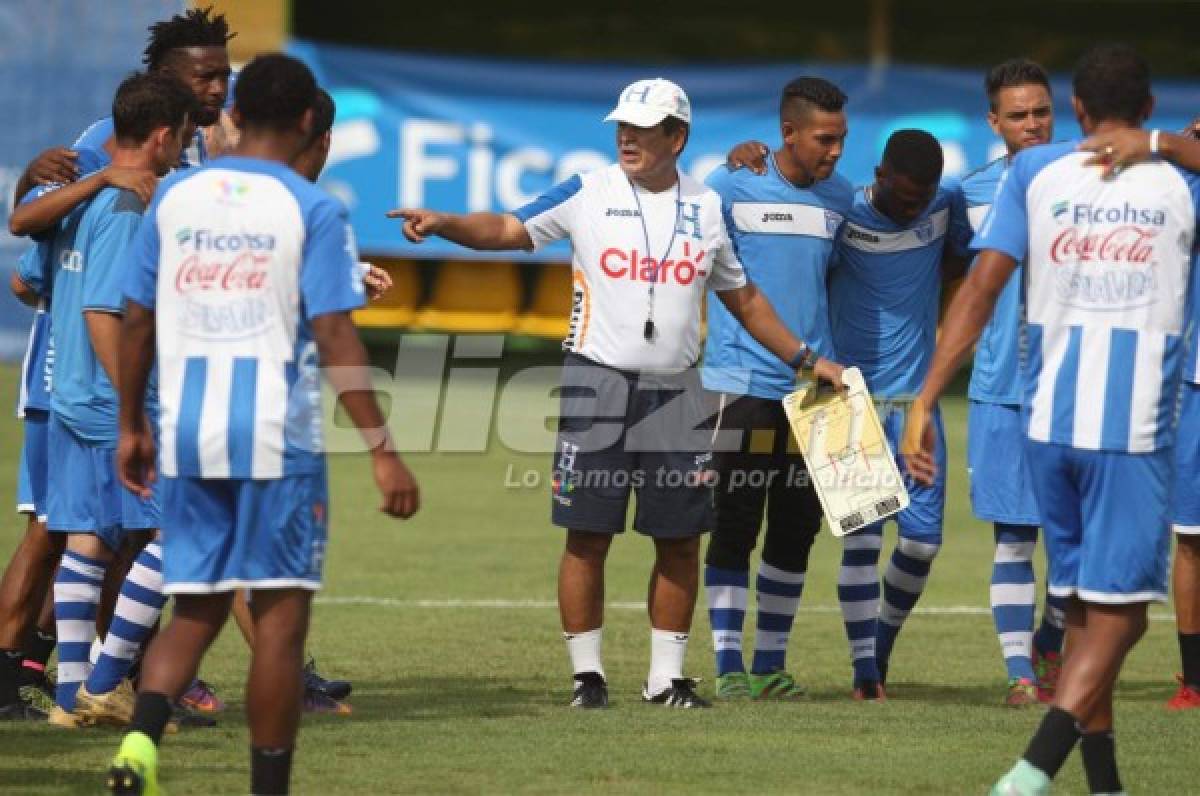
point(462, 135)
point(60, 62)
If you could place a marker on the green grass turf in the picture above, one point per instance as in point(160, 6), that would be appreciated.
point(461, 699)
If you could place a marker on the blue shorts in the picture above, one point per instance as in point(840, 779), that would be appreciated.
point(84, 495)
point(1185, 510)
point(1001, 481)
point(35, 465)
point(239, 533)
point(1105, 519)
point(922, 520)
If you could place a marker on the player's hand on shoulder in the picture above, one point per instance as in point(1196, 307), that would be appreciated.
point(419, 223)
point(830, 372)
point(748, 155)
point(376, 280)
point(919, 443)
point(397, 485)
point(142, 182)
point(1115, 150)
point(54, 165)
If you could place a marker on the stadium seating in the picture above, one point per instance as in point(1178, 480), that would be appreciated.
point(549, 309)
point(473, 296)
point(398, 307)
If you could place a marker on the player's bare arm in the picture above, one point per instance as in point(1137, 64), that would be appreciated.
point(968, 314)
point(136, 452)
point(488, 231)
point(344, 361)
point(41, 214)
point(754, 312)
point(749, 155)
point(24, 293)
point(56, 164)
point(1118, 149)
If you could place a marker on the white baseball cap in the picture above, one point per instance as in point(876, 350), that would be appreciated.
point(647, 102)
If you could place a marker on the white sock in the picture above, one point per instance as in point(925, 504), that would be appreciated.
point(667, 650)
point(584, 649)
point(94, 652)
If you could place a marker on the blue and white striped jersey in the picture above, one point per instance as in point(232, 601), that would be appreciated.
point(996, 375)
point(236, 258)
point(783, 235)
point(1108, 265)
point(885, 286)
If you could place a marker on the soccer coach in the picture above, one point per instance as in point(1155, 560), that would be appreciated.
point(648, 243)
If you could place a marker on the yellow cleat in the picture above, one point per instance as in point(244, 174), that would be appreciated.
point(134, 770)
point(114, 709)
point(67, 719)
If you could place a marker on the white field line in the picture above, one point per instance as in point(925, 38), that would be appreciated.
point(394, 602)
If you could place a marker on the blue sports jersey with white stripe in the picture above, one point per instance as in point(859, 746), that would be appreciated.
point(783, 235)
point(90, 251)
point(995, 376)
point(1108, 267)
point(236, 258)
point(885, 286)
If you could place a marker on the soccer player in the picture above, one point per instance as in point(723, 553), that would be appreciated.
point(1101, 382)
point(1117, 149)
point(1022, 114)
point(648, 243)
point(84, 500)
point(903, 236)
point(783, 227)
point(242, 280)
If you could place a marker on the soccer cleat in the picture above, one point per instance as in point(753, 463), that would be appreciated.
point(591, 691)
point(183, 716)
point(114, 709)
point(1185, 698)
point(733, 685)
point(201, 697)
point(1023, 779)
point(67, 719)
point(134, 770)
point(22, 710)
point(680, 694)
point(317, 702)
point(1021, 692)
point(334, 689)
point(1047, 666)
point(869, 691)
point(777, 685)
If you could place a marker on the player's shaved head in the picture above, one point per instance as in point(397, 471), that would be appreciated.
point(198, 27)
point(274, 92)
point(1112, 82)
point(1012, 73)
point(914, 154)
point(805, 94)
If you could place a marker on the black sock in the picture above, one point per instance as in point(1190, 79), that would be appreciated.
point(1100, 762)
point(1189, 651)
point(37, 651)
point(1051, 745)
point(270, 770)
point(151, 713)
point(10, 672)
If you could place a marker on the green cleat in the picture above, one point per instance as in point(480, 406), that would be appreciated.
point(778, 685)
point(135, 768)
point(1023, 779)
point(734, 685)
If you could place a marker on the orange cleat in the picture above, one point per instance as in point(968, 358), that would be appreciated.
point(1188, 696)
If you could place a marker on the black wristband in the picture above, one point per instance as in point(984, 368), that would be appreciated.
point(804, 358)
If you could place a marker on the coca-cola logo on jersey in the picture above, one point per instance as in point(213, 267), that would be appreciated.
point(634, 266)
point(1124, 244)
point(246, 272)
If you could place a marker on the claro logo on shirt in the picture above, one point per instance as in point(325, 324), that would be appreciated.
point(633, 266)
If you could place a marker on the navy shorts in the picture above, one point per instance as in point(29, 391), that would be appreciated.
point(623, 433)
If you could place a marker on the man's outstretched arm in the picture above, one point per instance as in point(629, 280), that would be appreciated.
point(486, 231)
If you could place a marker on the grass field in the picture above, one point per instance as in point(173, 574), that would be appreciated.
point(447, 627)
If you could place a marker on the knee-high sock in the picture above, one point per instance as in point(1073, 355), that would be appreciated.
point(1013, 596)
point(778, 593)
point(76, 598)
point(726, 593)
point(903, 583)
point(858, 593)
point(138, 608)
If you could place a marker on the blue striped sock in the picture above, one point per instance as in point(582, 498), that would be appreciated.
point(76, 597)
point(858, 593)
point(1049, 637)
point(778, 593)
point(903, 583)
point(726, 592)
point(138, 608)
point(1013, 596)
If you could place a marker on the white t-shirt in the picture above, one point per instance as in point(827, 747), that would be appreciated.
point(614, 268)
